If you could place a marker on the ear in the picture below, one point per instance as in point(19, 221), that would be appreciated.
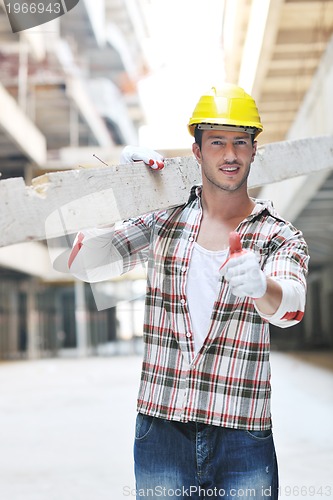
point(254, 150)
point(197, 152)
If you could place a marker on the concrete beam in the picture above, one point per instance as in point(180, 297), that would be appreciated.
point(288, 49)
point(259, 43)
point(79, 95)
point(29, 258)
point(61, 203)
point(36, 38)
point(235, 21)
point(96, 15)
point(313, 119)
point(315, 13)
point(296, 65)
point(74, 157)
point(20, 130)
point(286, 84)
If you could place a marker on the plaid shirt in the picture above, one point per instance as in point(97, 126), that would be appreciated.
point(228, 382)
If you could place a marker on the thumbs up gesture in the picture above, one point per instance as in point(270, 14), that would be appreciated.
point(242, 270)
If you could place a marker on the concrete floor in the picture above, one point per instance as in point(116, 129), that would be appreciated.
point(66, 428)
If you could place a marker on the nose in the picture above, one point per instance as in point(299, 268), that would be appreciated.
point(229, 153)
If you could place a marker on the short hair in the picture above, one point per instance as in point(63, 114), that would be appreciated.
point(198, 136)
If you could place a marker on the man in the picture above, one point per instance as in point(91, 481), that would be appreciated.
point(204, 426)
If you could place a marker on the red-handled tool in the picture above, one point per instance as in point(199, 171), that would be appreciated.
point(235, 247)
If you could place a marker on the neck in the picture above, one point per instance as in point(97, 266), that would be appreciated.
point(226, 205)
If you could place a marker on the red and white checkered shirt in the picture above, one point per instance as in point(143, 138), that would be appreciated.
point(228, 382)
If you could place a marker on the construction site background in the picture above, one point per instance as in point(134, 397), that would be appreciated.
point(67, 427)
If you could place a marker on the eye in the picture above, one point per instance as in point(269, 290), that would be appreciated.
point(241, 142)
point(217, 142)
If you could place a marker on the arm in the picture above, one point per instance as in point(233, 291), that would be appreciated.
point(93, 256)
point(98, 254)
point(270, 302)
point(287, 267)
point(290, 310)
point(101, 254)
point(278, 290)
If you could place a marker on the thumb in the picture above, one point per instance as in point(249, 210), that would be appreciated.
point(235, 244)
point(235, 248)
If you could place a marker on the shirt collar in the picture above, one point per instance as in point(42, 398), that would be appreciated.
point(260, 205)
point(195, 192)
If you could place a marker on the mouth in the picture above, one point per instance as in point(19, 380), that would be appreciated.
point(230, 169)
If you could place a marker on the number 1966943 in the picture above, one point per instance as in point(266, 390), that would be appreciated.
point(34, 8)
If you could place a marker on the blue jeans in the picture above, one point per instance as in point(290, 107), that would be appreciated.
point(198, 461)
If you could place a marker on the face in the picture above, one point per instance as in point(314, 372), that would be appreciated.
point(225, 158)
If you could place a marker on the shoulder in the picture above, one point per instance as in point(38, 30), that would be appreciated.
point(193, 203)
point(170, 214)
point(275, 229)
point(266, 207)
point(265, 210)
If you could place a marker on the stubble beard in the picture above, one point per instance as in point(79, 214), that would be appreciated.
point(227, 187)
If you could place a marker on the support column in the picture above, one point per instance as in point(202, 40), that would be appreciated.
point(33, 334)
point(13, 327)
point(23, 76)
point(81, 322)
point(74, 133)
point(327, 303)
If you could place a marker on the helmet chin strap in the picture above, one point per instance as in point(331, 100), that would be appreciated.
point(231, 128)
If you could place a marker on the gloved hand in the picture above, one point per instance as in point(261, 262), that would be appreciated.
point(148, 156)
point(242, 271)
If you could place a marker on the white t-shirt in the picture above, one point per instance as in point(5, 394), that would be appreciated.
point(202, 288)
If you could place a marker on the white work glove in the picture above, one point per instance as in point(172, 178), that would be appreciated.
point(244, 275)
point(148, 156)
point(242, 270)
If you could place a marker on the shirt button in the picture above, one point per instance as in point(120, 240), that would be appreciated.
point(189, 335)
point(183, 269)
point(191, 238)
point(183, 302)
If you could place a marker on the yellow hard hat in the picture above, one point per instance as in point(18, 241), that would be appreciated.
point(227, 106)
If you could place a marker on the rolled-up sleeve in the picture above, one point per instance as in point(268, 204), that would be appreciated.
point(288, 266)
point(100, 254)
point(93, 257)
point(291, 309)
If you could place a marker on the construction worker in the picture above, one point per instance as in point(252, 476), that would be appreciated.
point(221, 268)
